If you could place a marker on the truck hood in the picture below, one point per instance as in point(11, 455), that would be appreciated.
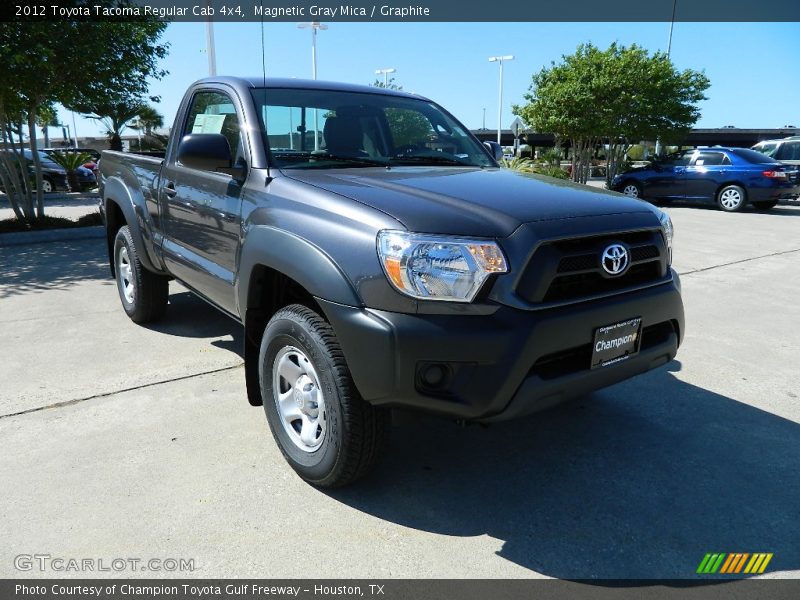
point(467, 201)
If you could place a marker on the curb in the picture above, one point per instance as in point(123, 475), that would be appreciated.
point(21, 238)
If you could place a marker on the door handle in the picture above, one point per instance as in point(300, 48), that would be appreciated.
point(679, 170)
point(170, 190)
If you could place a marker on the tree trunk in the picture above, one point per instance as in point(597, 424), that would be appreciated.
point(37, 165)
point(17, 190)
point(116, 142)
point(72, 180)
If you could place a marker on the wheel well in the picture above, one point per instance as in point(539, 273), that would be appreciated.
point(268, 292)
point(115, 219)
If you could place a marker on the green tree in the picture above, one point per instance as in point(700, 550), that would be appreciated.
point(57, 62)
point(618, 96)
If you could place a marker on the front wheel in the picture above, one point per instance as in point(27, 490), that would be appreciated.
point(144, 295)
point(326, 432)
point(731, 198)
point(765, 205)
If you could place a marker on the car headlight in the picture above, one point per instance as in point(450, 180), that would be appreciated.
point(434, 267)
point(668, 231)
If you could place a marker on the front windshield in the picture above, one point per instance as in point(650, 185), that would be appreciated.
point(307, 129)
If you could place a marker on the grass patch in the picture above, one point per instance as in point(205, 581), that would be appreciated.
point(15, 225)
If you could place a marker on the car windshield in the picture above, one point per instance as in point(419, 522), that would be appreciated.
point(753, 157)
point(314, 129)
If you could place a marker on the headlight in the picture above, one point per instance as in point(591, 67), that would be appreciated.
point(669, 231)
point(433, 267)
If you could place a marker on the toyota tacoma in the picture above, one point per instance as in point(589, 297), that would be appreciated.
point(378, 257)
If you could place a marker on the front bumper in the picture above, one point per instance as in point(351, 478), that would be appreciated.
point(504, 365)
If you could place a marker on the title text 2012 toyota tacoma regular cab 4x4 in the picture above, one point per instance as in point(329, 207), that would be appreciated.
point(378, 257)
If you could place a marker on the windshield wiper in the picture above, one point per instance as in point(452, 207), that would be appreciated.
point(436, 160)
point(353, 160)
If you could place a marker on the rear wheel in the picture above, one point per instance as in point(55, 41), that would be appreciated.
point(144, 295)
point(766, 205)
point(326, 432)
point(731, 198)
point(632, 189)
point(47, 185)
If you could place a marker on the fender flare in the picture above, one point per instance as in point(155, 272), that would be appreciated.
point(298, 259)
point(133, 209)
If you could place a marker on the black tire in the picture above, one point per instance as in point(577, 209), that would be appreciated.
point(765, 205)
point(632, 189)
point(147, 301)
point(731, 198)
point(355, 434)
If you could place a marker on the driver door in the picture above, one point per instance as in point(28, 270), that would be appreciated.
point(203, 208)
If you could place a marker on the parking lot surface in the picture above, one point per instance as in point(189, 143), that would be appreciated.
point(127, 441)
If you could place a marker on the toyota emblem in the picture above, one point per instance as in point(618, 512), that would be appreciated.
point(615, 259)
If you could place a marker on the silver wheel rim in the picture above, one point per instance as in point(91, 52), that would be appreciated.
point(47, 187)
point(730, 198)
point(125, 276)
point(631, 190)
point(299, 399)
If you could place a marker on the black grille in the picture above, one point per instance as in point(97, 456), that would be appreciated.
point(568, 287)
point(643, 253)
point(582, 262)
point(570, 270)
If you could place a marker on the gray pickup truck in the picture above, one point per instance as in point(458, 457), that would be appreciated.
point(378, 257)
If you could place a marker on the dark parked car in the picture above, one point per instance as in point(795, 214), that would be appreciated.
point(54, 177)
point(731, 177)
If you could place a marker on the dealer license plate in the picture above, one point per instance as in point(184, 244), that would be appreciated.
point(615, 343)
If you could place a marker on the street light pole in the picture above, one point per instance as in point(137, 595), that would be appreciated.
point(314, 26)
point(669, 51)
point(484, 118)
point(500, 59)
point(385, 73)
point(210, 48)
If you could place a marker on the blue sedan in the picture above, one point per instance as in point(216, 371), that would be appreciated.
point(731, 177)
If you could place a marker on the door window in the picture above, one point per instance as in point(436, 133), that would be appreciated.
point(711, 159)
point(214, 112)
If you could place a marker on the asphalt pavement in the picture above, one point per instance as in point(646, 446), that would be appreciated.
point(137, 442)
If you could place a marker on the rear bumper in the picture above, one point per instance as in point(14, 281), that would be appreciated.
point(767, 194)
point(504, 365)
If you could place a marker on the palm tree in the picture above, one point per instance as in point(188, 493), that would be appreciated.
point(116, 117)
point(149, 119)
point(71, 161)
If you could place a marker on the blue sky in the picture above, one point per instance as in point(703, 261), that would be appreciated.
point(752, 66)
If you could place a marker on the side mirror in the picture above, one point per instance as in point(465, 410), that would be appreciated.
point(205, 151)
point(495, 149)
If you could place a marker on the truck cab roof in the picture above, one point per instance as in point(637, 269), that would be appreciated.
point(259, 82)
